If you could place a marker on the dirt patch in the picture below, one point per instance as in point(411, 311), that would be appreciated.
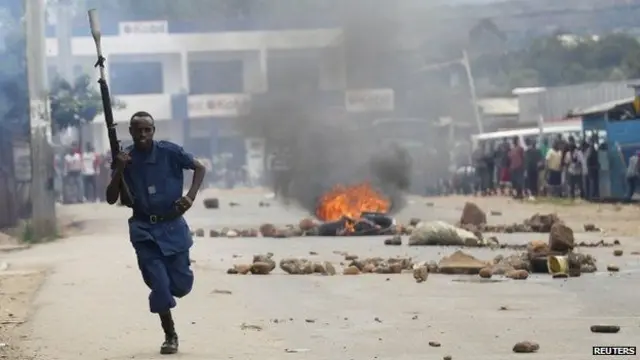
point(17, 289)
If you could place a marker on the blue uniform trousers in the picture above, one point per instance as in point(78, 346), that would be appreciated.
point(167, 276)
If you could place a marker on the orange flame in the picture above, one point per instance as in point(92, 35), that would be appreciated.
point(350, 201)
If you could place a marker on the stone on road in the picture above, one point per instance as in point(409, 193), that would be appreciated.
point(94, 303)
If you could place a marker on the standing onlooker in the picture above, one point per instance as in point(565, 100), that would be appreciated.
point(72, 188)
point(576, 167)
point(593, 169)
point(490, 161)
point(516, 167)
point(542, 174)
point(633, 174)
point(533, 160)
point(502, 159)
point(554, 169)
point(90, 172)
point(481, 171)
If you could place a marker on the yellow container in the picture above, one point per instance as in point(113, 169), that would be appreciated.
point(557, 264)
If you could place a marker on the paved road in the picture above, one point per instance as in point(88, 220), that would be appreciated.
point(94, 304)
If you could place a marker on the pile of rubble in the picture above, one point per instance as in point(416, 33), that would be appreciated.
point(468, 232)
point(516, 266)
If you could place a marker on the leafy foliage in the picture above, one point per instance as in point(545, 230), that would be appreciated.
point(74, 104)
point(561, 60)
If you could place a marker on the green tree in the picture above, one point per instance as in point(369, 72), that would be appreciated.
point(563, 59)
point(75, 104)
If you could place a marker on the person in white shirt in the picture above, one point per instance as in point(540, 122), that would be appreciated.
point(73, 172)
point(90, 172)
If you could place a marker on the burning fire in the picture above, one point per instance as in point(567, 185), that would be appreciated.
point(350, 201)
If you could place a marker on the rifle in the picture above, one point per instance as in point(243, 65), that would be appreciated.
point(114, 144)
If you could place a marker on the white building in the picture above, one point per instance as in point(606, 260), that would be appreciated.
point(198, 78)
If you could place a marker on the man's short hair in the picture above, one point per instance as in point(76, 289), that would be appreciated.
point(142, 114)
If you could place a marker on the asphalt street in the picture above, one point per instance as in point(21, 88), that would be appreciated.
point(94, 303)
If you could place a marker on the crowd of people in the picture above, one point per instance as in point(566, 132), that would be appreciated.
point(80, 174)
point(559, 167)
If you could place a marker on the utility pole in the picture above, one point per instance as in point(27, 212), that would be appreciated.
point(43, 215)
point(64, 16)
point(464, 61)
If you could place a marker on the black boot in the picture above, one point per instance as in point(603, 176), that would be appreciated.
point(170, 344)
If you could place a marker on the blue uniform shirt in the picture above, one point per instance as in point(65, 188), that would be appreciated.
point(155, 180)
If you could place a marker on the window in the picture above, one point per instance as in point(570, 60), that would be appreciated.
point(293, 74)
point(136, 78)
point(216, 77)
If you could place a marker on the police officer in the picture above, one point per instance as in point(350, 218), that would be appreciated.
point(148, 178)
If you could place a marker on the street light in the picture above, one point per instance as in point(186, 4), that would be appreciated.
point(464, 61)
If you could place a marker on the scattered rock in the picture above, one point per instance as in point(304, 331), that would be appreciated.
point(214, 233)
point(585, 263)
point(447, 357)
point(613, 268)
point(434, 344)
point(307, 224)
point(460, 263)
point(420, 273)
point(472, 215)
point(233, 204)
point(618, 252)
point(486, 273)
point(605, 329)
point(518, 274)
point(351, 270)
point(242, 269)
point(211, 203)
point(560, 276)
point(526, 347)
point(351, 257)
point(503, 265)
point(268, 230)
point(495, 213)
point(574, 272)
point(261, 268)
point(414, 222)
point(329, 268)
point(263, 259)
point(561, 238)
point(542, 223)
point(250, 327)
point(395, 241)
point(591, 228)
point(225, 292)
point(199, 233)
point(232, 234)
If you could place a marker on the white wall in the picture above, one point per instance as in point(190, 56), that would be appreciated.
point(177, 43)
